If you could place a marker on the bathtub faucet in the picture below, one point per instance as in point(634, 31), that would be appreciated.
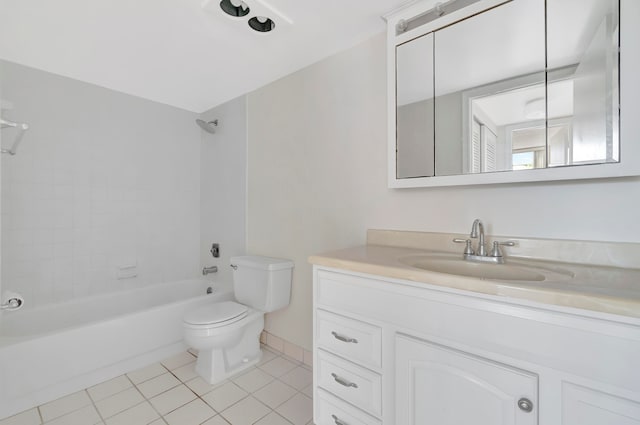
point(207, 270)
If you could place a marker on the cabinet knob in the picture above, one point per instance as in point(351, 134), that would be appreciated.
point(525, 405)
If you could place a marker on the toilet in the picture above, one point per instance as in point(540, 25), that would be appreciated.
point(227, 334)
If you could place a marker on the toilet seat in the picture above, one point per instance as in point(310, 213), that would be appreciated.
point(216, 315)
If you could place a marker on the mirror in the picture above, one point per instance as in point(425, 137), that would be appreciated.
point(507, 88)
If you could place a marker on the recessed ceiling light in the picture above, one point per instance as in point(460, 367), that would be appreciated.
point(235, 8)
point(261, 24)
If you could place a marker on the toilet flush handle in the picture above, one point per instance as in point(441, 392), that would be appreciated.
point(234, 267)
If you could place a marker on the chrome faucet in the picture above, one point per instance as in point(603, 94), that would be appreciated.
point(477, 225)
point(480, 254)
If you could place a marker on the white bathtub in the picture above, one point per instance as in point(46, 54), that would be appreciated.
point(49, 352)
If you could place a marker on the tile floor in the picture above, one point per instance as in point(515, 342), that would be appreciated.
point(275, 392)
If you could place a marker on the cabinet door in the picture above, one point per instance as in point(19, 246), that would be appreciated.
point(585, 406)
point(441, 386)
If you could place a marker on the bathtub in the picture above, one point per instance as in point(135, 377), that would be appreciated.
point(55, 350)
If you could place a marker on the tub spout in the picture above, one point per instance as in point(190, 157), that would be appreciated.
point(207, 270)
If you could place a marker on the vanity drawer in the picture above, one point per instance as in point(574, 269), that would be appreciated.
point(357, 385)
point(358, 341)
point(332, 411)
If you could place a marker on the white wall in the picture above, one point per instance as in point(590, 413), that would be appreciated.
point(101, 179)
point(223, 190)
point(317, 180)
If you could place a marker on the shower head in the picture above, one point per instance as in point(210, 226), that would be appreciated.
point(208, 126)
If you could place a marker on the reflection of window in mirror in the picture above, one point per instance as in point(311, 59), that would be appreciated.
point(524, 160)
point(513, 114)
point(530, 140)
point(528, 143)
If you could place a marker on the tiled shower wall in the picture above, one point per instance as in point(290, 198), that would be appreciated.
point(102, 181)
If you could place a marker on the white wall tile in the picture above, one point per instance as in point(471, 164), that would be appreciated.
point(77, 190)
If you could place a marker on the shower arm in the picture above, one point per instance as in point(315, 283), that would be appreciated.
point(21, 127)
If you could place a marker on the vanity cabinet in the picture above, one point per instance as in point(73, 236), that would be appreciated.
point(397, 352)
point(439, 385)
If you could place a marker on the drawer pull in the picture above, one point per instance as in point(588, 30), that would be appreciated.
point(343, 338)
point(338, 421)
point(343, 381)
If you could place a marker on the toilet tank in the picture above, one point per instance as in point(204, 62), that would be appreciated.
point(263, 283)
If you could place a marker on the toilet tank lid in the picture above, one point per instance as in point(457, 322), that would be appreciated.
point(262, 263)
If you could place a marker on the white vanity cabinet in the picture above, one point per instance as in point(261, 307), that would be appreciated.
point(396, 352)
point(439, 385)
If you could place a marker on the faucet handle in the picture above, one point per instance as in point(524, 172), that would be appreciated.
point(468, 250)
point(496, 251)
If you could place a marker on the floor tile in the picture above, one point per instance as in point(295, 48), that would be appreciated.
point(186, 372)
point(216, 420)
point(29, 417)
point(201, 387)
point(274, 394)
point(308, 391)
point(84, 416)
point(119, 402)
point(273, 419)
point(253, 380)
point(246, 412)
point(146, 373)
point(109, 388)
point(193, 413)
point(224, 396)
point(298, 409)
point(178, 360)
point(172, 399)
point(157, 385)
point(267, 356)
point(64, 405)
point(142, 414)
point(298, 378)
point(278, 366)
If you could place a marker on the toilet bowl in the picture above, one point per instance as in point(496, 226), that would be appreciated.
point(226, 344)
point(227, 334)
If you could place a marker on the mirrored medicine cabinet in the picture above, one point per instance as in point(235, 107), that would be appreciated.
point(495, 91)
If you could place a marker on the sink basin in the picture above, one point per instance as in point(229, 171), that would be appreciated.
point(511, 271)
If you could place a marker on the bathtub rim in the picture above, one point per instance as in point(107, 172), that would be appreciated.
point(6, 341)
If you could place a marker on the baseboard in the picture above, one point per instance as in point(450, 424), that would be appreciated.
point(287, 348)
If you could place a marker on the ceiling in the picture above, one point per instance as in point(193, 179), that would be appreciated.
point(177, 52)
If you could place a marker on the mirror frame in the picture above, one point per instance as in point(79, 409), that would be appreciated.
point(629, 164)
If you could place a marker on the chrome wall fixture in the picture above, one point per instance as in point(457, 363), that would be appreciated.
point(11, 301)
point(440, 9)
point(20, 127)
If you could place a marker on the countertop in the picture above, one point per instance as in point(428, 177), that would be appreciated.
point(612, 290)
